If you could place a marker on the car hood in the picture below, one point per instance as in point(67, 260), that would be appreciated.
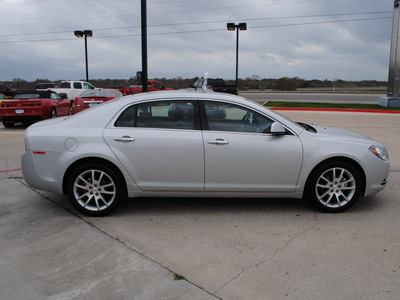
point(337, 133)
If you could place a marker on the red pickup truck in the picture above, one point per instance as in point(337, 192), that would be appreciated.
point(152, 86)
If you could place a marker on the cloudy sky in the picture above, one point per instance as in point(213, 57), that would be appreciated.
point(310, 39)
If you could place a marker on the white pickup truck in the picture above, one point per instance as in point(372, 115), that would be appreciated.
point(72, 89)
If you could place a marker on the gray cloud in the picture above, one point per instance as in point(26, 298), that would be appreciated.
point(301, 38)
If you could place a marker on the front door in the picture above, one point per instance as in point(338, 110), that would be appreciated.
point(240, 154)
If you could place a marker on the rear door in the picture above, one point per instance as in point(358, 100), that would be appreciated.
point(160, 144)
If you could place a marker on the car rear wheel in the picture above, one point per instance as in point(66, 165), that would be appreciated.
point(95, 189)
point(7, 124)
point(53, 113)
point(334, 186)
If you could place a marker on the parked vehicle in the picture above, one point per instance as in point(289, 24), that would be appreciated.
point(152, 86)
point(29, 106)
point(44, 86)
point(136, 149)
point(7, 91)
point(94, 97)
point(215, 84)
point(72, 89)
point(2, 97)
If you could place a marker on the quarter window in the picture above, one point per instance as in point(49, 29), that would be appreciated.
point(229, 117)
point(162, 114)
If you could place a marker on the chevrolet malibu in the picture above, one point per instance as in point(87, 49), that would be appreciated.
point(174, 144)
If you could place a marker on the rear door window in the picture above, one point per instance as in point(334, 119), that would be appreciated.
point(160, 114)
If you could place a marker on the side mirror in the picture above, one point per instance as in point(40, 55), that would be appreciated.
point(277, 129)
point(63, 96)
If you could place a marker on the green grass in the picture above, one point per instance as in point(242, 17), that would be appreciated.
point(179, 277)
point(327, 105)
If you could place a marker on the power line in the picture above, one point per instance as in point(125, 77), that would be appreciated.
point(220, 21)
point(204, 30)
point(320, 22)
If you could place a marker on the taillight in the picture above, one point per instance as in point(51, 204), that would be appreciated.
point(38, 152)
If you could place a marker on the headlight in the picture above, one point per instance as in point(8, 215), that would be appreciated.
point(380, 152)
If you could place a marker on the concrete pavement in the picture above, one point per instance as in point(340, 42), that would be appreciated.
point(49, 253)
point(228, 249)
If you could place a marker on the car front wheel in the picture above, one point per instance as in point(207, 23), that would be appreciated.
point(334, 186)
point(95, 189)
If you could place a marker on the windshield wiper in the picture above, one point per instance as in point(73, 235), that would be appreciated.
point(307, 127)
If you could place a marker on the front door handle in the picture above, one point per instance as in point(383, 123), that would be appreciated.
point(218, 142)
point(124, 139)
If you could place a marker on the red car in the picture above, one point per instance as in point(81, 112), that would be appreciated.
point(29, 106)
point(94, 97)
point(152, 86)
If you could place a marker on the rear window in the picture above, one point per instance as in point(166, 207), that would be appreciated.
point(97, 94)
point(46, 85)
point(27, 96)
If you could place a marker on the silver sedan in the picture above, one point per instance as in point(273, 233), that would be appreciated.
point(198, 144)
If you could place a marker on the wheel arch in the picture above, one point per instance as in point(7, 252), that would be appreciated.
point(340, 159)
point(88, 160)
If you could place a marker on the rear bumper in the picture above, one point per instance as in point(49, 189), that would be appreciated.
point(22, 119)
point(36, 180)
point(75, 109)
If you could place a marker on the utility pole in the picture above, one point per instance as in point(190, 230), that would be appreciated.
point(392, 99)
point(144, 45)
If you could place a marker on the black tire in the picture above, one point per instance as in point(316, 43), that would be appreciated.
point(53, 113)
point(8, 124)
point(95, 189)
point(334, 186)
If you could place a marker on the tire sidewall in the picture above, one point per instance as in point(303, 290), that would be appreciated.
point(310, 189)
point(7, 124)
point(120, 192)
point(53, 113)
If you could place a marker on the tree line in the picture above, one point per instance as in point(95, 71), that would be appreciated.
point(249, 83)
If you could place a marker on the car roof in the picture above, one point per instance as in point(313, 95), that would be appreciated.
point(189, 93)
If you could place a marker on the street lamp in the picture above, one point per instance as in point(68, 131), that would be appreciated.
point(231, 27)
point(84, 33)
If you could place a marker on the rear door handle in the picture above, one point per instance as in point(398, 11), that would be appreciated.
point(218, 142)
point(124, 139)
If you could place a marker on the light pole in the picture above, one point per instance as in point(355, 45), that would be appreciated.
point(85, 33)
point(231, 27)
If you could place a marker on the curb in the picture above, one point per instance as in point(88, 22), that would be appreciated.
point(14, 170)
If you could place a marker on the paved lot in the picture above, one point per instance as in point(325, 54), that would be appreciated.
point(229, 249)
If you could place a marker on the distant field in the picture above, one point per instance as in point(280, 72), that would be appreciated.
point(327, 105)
point(378, 91)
